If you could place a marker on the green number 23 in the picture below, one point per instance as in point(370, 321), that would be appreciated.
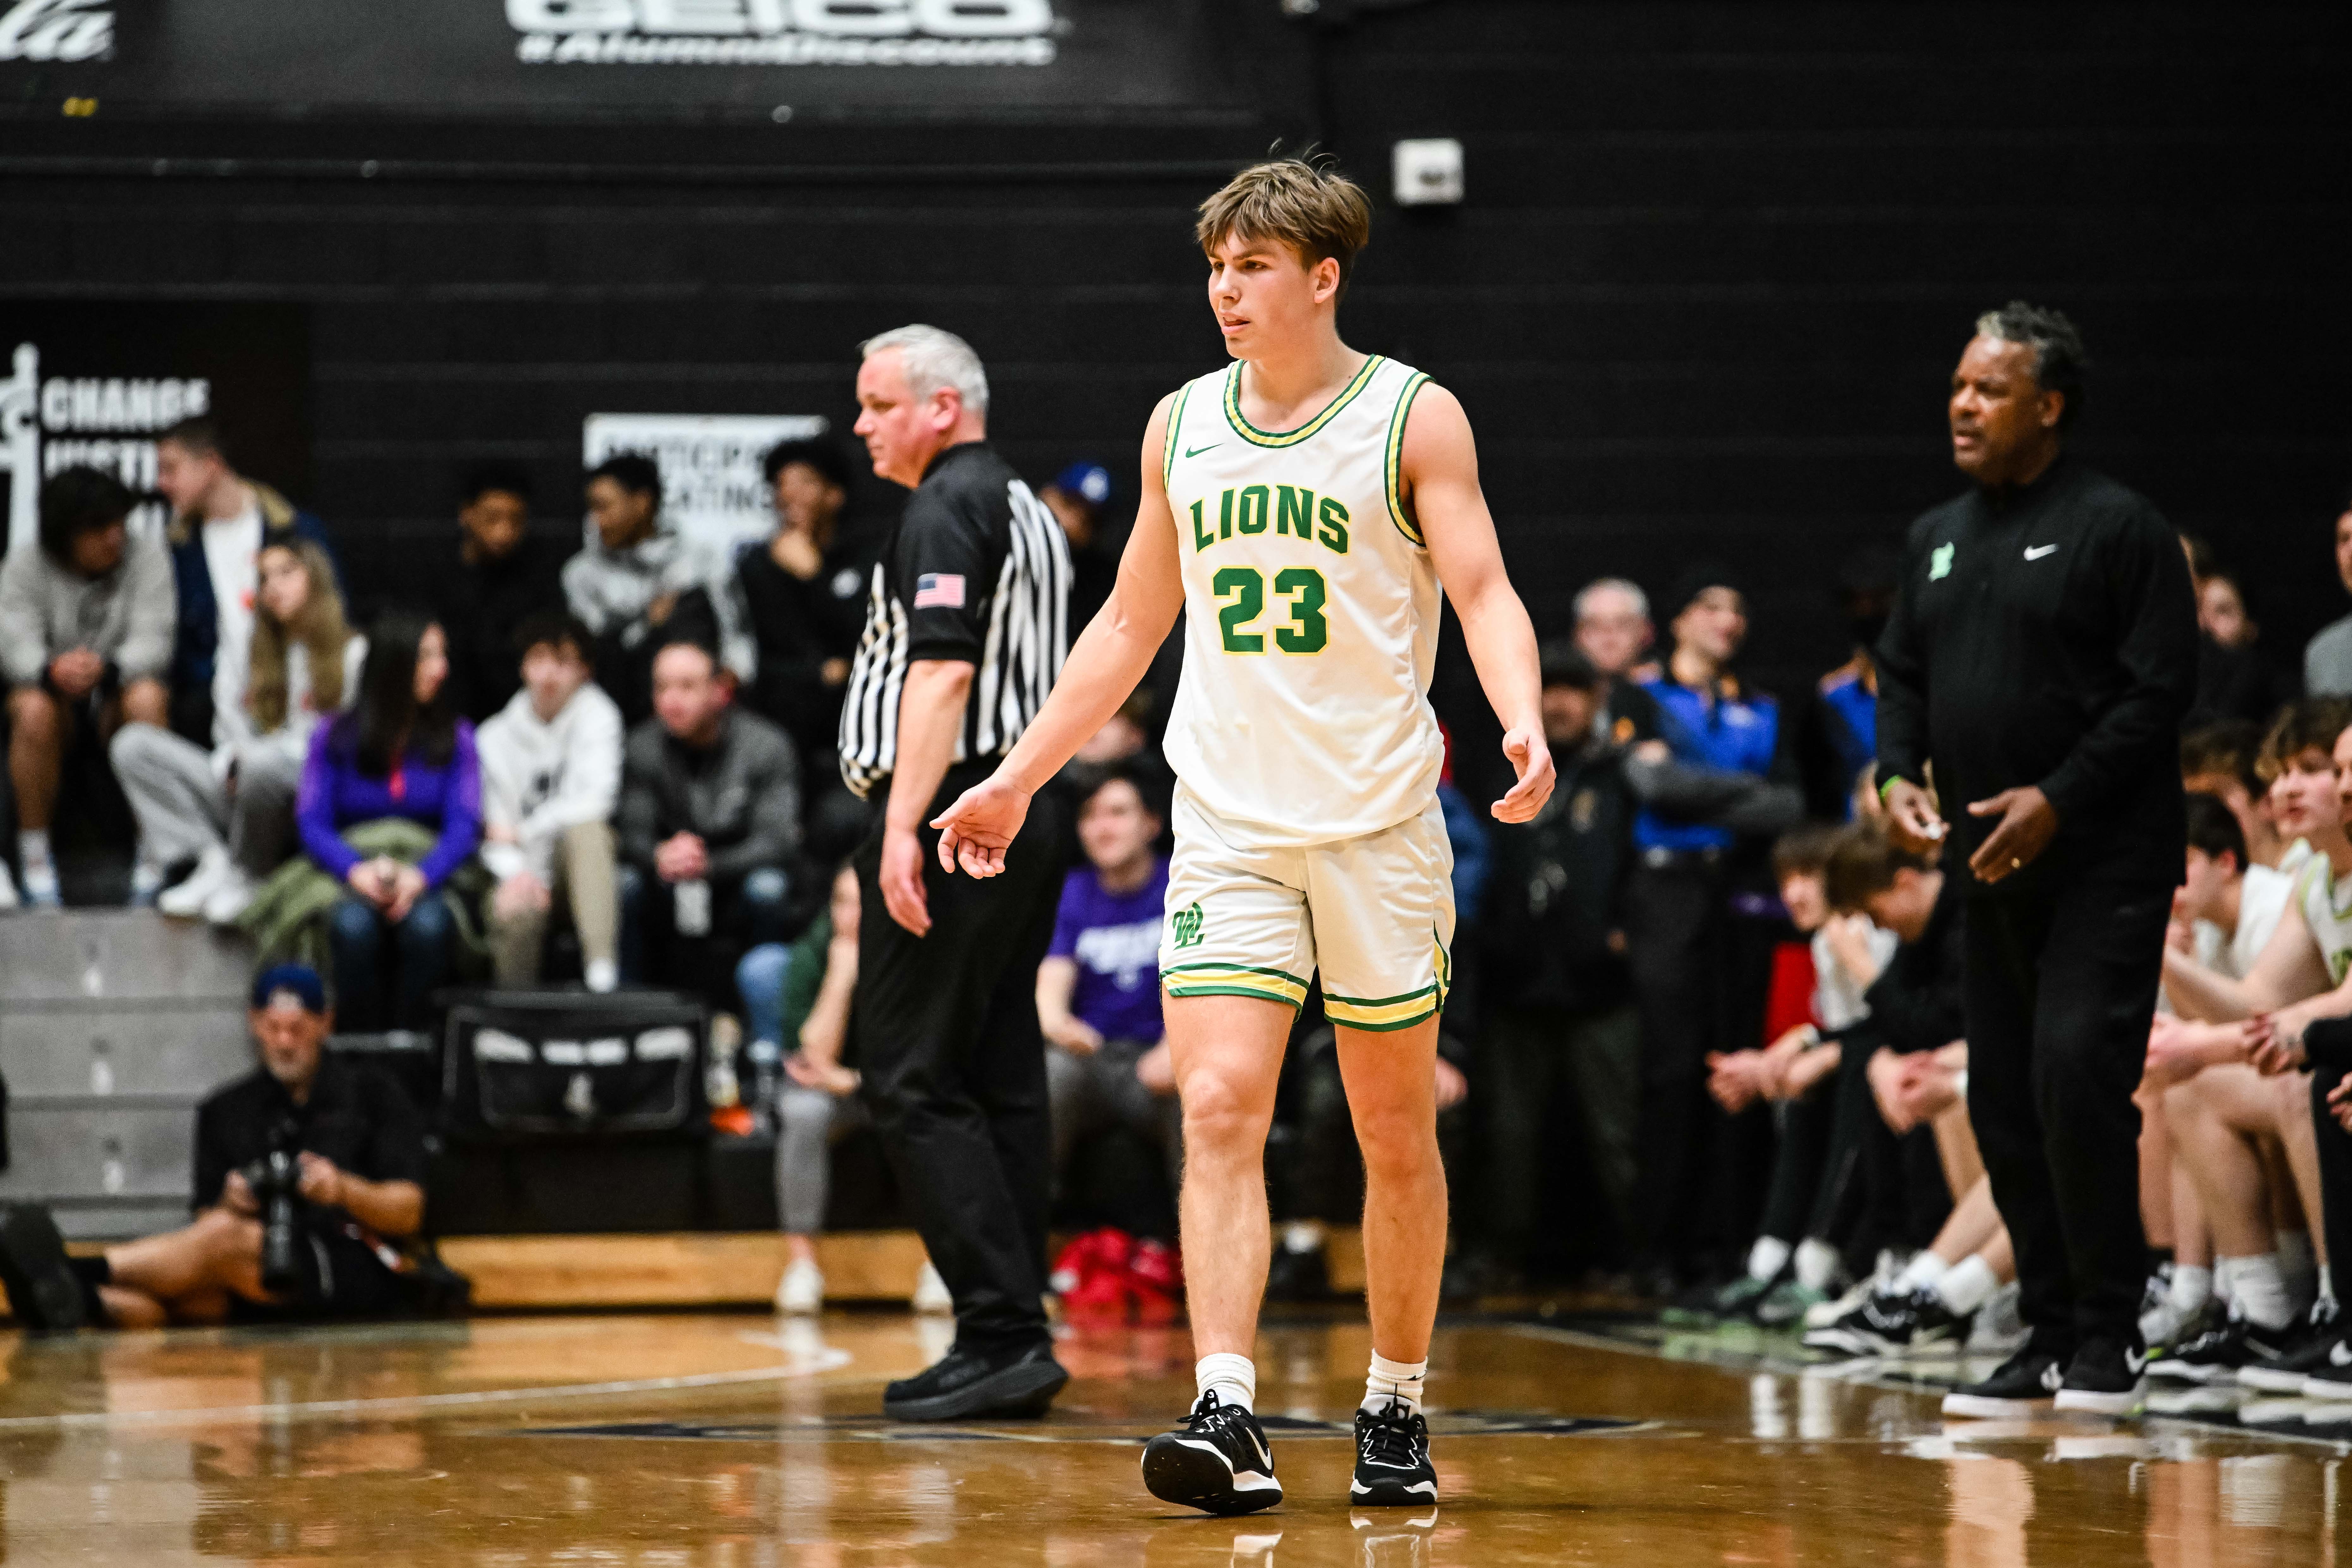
point(1306, 631)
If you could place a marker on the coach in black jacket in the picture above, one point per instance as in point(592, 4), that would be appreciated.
point(2040, 654)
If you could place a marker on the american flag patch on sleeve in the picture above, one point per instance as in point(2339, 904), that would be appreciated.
point(939, 591)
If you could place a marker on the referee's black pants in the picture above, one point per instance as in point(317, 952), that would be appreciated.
point(2061, 984)
point(954, 1067)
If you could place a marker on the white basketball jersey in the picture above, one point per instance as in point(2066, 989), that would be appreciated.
point(1311, 613)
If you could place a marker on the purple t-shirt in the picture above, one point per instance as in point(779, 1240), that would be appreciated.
point(1115, 940)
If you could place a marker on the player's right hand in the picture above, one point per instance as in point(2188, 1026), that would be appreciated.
point(1911, 818)
point(981, 826)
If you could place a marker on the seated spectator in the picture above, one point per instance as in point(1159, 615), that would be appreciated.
point(2327, 658)
point(2234, 680)
point(1076, 498)
point(1789, 1272)
point(2219, 760)
point(806, 1000)
point(803, 592)
point(360, 1159)
point(231, 808)
point(86, 619)
point(1098, 989)
point(551, 783)
point(1561, 1004)
point(502, 577)
point(638, 584)
point(219, 519)
point(709, 819)
point(390, 805)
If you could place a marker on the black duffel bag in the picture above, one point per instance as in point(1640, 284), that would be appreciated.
point(525, 1066)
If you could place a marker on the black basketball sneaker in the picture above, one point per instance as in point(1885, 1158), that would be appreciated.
point(1392, 1467)
point(2026, 1385)
point(1217, 1461)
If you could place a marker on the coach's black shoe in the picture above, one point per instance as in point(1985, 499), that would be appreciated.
point(2223, 1351)
point(43, 1292)
point(1217, 1461)
point(1392, 1467)
point(2106, 1377)
point(2027, 1384)
point(2306, 1351)
point(964, 1385)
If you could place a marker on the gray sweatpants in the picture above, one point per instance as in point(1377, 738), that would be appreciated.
point(1092, 1094)
point(184, 810)
point(809, 1121)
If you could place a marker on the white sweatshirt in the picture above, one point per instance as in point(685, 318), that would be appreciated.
point(233, 728)
point(539, 779)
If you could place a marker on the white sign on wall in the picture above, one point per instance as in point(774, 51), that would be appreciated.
point(59, 422)
point(711, 484)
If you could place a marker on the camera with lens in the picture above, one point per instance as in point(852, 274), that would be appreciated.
point(276, 1179)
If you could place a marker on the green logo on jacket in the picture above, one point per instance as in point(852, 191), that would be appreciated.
point(1939, 562)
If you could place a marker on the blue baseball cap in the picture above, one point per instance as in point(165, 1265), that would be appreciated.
point(298, 981)
point(1090, 482)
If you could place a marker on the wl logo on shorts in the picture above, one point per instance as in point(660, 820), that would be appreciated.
point(1184, 927)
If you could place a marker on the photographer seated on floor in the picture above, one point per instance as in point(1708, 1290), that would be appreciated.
point(307, 1168)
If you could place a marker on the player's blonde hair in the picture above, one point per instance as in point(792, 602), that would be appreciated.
point(1314, 209)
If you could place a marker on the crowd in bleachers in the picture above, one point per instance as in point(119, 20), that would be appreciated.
point(1704, 1040)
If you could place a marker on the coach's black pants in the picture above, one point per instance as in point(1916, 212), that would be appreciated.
point(2060, 986)
point(946, 1026)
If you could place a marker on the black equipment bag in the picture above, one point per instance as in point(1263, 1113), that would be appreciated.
point(527, 1066)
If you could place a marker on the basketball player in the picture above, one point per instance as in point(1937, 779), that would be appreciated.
point(1304, 505)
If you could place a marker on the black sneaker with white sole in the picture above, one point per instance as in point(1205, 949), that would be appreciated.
point(2331, 1381)
point(43, 1292)
point(2027, 1384)
point(1218, 1461)
point(2106, 1377)
point(2306, 1353)
point(2222, 1351)
point(1892, 1325)
point(1392, 1467)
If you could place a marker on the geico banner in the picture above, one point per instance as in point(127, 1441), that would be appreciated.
point(92, 384)
point(468, 56)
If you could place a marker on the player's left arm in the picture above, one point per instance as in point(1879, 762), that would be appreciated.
point(1438, 475)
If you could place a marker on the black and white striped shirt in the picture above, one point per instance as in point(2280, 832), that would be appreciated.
point(977, 569)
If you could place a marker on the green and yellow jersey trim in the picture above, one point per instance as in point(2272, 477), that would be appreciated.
point(1255, 437)
point(1233, 979)
point(1170, 439)
point(1395, 459)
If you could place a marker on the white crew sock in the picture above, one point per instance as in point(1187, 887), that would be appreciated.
point(1768, 1258)
point(1967, 1285)
point(2192, 1288)
point(1232, 1378)
point(1817, 1265)
point(2256, 1289)
point(2297, 1263)
point(1303, 1235)
point(1396, 1380)
point(1921, 1273)
point(33, 848)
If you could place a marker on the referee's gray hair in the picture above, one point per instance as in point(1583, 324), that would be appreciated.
point(932, 358)
point(1612, 586)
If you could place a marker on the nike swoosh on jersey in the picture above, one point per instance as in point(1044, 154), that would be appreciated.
point(2135, 1363)
point(2036, 551)
point(1212, 447)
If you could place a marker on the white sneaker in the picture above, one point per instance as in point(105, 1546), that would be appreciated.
point(603, 975)
point(40, 887)
point(8, 899)
point(231, 899)
point(932, 1295)
point(186, 901)
point(801, 1291)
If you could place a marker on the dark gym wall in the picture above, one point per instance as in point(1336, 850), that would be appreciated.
point(1714, 267)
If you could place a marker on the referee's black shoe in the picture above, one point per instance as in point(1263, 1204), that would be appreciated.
point(1392, 1467)
point(1218, 1461)
point(43, 1292)
point(2107, 1376)
point(964, 1385)
point(2027, 1384)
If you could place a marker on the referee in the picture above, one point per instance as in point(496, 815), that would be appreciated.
point(2042, 651)
point(965, 634)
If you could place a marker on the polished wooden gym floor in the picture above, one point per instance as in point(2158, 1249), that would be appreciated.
point(677, 1441)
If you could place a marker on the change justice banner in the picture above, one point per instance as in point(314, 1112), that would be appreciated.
point(93, 383)
point(554, 57)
